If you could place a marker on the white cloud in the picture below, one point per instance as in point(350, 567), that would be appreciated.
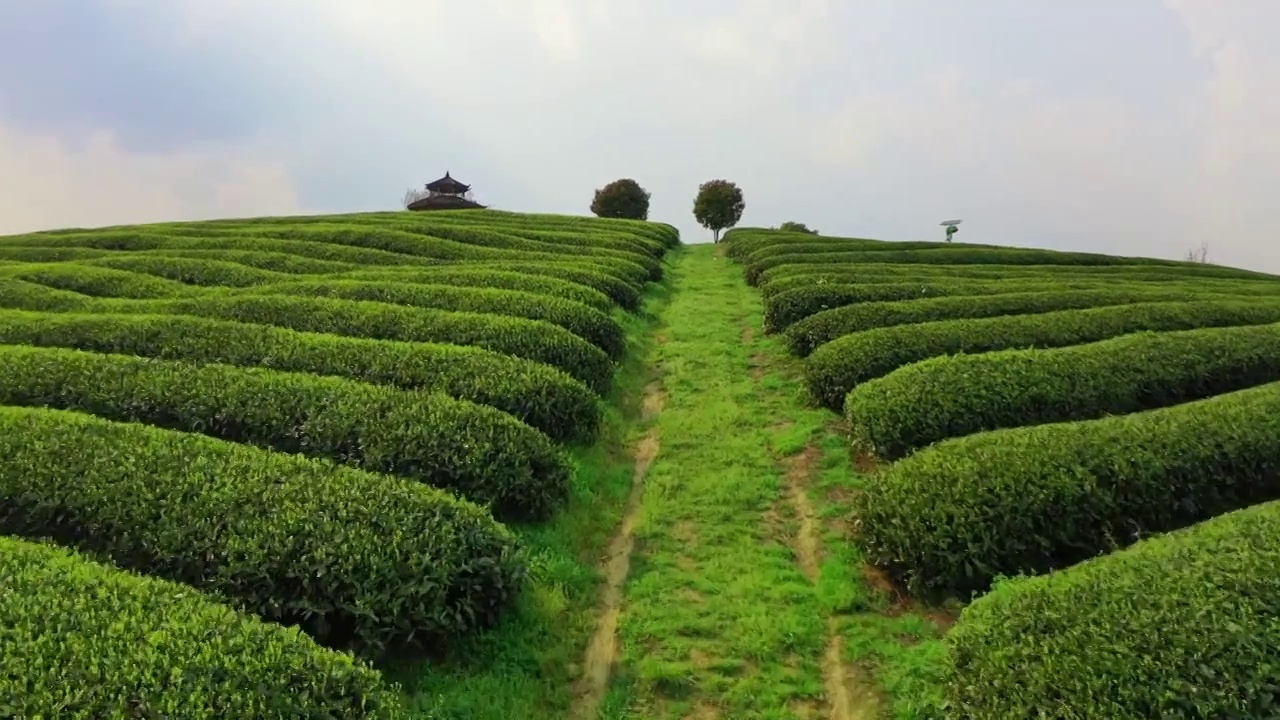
point(48, 183)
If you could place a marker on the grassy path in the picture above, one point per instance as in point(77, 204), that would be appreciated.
point(741, 599)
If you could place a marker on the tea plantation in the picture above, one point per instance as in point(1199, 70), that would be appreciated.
point(1086, 447)
point(479, 464)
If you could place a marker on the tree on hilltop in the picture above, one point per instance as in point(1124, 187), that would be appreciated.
point(622, 198)
point(793, 226)
point(719, 205)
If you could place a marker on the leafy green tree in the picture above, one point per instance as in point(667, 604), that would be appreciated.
point(622, 198)
point(719, 205)
point(793, 226)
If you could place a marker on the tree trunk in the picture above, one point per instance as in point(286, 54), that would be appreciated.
point(716, 236)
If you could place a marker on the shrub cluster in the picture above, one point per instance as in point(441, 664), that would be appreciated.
point(587, 323)
point(543, 397)
point(821, 328)
point(464, 276)
point(1176, 626)
point(956, 395)
point(955, 515)
point(82, 639)
point(356, 559)
point(490, 237)
point(842, 364)
point(535, 340)
point(481, 453)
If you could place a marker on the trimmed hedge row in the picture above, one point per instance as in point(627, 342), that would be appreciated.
point(956, 395)
point(413, 244)
point(152, 240)
point(30, 296)
point(951, 256)
point(496, 238)
point(96, 281)
point(623, 292)
point(541, 396)
point(783, 309)
point(463, 276)
point(356, 559)
point(479, 452)
point(1032, 499)
point(884, 272)
point(535, 340)
point(278, 261)
point(842, 364)
point(805, 336)
point(1178, 626)
point(586, 322)
point(525, 338)
point(767, 251)
point(83, 639)
point(204, 272)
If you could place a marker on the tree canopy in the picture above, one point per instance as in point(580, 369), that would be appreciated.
point(719, 205)
point(623, 198)
point(793, 226)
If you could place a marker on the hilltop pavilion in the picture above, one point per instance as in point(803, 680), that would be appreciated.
point(446, 194)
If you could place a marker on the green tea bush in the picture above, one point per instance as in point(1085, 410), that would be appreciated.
point(484, 455)
point(821, 328)
point(463, 276)
point(783, 309)
point(30, 296)
point(622, 291)
point(491, 237)
point(280, 262)
point(587, 323)
point(535, 340)
point(96, 281)
point(206, 272)
point(83, 639)
point(869, 271)
point(842, 364)
point(1177, 626)
point(951, 256)
point(356, 559)
point(413, 244)
point(183, 240)
point(539, 395)
point(956, 515)
point(957, 395)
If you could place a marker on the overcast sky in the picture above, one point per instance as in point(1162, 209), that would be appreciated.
point(1139, 127)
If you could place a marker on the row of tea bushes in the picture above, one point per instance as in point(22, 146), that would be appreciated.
point(476, 451)
point(957, 395)
point(83, 639)
point(1182, 625)
point(535, 340)
point(900, 272)
point(356, 559)
point(954, 516)
point(586, 322)
point(836, 368)
point(539, 395)
point(804, 299)
point(816, 330)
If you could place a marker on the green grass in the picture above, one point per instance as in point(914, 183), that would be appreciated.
point(720, 619)
point(525, 668)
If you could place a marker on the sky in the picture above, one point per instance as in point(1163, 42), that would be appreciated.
point(1132, 127)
